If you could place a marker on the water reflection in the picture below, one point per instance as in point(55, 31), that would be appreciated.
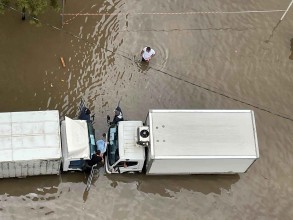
point(168, 185)
point(89, 183)
point(38, 186)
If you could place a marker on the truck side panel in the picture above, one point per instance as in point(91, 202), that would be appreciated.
point(29, 168)
point(199, 166)
point(29, 143)
point(11, 169)
point(5, 170)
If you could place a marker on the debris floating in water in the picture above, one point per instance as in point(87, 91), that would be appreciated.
point(62, 61)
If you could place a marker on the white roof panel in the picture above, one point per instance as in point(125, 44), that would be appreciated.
point(29, 135)
point(128, 149)
point(77, 139)
point(201, 133)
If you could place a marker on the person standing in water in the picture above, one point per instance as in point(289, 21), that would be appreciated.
point(146, 54)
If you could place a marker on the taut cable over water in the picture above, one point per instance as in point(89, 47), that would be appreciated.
point(276, 26)
point(161, 69)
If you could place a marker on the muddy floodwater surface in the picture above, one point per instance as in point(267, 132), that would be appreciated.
point(203, 61)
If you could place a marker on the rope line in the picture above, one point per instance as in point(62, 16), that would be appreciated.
point(165, 13)
point(172, 13)
point(90, 178)
point(284, 116)
point(223, 94)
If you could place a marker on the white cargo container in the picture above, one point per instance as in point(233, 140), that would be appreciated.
point(186, 142)
point(29, 143)
point(201, 141)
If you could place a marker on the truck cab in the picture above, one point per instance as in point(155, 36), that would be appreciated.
point(176, 142)
point(78, 143)
point(123, 153)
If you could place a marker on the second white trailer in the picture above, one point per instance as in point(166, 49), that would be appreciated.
point(201, 141)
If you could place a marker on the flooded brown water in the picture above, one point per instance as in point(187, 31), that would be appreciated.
point(203, 61)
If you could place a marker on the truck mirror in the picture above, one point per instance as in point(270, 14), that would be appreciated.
point(108, 119)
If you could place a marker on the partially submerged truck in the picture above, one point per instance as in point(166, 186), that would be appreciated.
point(168, 142)
point(184, 142)
point(37, 143)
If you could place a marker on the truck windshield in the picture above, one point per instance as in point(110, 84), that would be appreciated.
point(92, 140)
point(113, 150)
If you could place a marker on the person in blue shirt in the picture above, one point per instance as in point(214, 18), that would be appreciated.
point(102, 144)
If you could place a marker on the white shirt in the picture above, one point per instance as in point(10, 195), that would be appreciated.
point(147, 55)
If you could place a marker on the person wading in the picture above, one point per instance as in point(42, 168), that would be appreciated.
point(146, 54)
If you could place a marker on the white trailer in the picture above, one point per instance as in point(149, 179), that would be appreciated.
point(30, 143)
point(185, 142)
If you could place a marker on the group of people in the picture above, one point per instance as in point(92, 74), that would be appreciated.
point(99, 155)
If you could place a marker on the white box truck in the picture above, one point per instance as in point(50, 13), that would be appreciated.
point(184, 142)
point(30, 143)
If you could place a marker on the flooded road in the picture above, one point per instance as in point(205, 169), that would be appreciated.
point(203, 61)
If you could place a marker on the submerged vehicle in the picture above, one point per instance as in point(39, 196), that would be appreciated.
point(36, 143)
point(168, 142)
point(183, 142)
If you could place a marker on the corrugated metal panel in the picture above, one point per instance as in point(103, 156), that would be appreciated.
point(5, 170)
point(18, 169)
point(29, 168)
point(30, 165)
point(23, 169)
point(11, 168)
point(49, 167)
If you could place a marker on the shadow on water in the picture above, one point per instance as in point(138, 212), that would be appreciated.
point(167, 185)
point(38, 185)
point(94, 179)
point(143, 67)
point(272, 33)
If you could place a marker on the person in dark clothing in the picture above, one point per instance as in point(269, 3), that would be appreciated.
point(96, 159)
point(118, 115)
point(85, 114)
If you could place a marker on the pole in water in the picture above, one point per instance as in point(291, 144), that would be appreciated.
point(62, 16)
point(23, 14)
point(286, 10)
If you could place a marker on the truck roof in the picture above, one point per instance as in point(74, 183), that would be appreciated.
point(29, 135)
point(203, 133)
point(128, 149)
point(75, 140)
